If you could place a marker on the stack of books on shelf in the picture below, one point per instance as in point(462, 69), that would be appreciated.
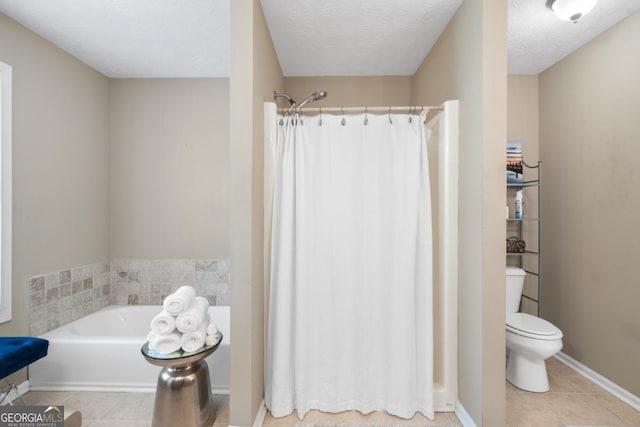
point(514, 162)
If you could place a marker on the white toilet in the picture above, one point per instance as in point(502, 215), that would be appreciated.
point(530, 340)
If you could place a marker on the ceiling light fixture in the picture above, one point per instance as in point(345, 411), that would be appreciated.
point(571, 10)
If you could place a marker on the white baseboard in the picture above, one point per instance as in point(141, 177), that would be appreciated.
point(613, 388)
point(259, 419)
point(22, 388)
point(464, 416)
point(260, 415)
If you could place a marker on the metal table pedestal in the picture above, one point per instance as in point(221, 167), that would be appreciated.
point(183, 393)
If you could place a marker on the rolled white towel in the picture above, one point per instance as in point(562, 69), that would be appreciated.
point(166, 344)
point(190, 320)
point(163, 324)
point(151, 337)
point(192, 341)
point(212, 339)
point(179, 301)
point(206, 321)
point(212, 329)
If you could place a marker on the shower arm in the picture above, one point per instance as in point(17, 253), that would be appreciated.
point(315, 96)
point(292, 102)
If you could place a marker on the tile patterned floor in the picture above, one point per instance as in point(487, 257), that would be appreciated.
point(109, 409)
point(354, 417)
point(572, 400)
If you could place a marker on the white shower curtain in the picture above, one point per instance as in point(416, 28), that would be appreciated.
point(350, 310)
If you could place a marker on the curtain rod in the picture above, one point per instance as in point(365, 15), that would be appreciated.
point(412, 108)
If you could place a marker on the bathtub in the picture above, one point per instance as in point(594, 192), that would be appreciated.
point(101, 352)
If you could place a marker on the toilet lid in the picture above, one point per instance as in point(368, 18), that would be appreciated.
point(529, 324)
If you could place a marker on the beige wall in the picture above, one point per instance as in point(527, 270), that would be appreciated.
point(255, 74)
point(523, 126)
point(60, 176)
point(169, 168)
point(267, 78)
point(350, 91)
point(522, 112)
point(589, 127)
point(469, 63)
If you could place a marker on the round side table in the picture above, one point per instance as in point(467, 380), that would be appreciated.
point(183, 392)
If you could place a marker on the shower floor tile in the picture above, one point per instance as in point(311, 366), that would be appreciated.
point(356, 418)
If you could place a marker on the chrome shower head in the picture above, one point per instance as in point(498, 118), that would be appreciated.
point(315, 96)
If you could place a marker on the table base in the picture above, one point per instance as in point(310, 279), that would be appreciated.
point(183, 397)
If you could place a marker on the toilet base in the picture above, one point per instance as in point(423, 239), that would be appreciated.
point(527, 374)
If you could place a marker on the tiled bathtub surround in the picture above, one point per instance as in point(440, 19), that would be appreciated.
point(60, 297)
point(142, 281)
point(63, 296)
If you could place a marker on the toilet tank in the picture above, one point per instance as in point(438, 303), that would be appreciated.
point(515, 282)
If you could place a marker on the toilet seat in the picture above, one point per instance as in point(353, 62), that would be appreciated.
point(529, 326)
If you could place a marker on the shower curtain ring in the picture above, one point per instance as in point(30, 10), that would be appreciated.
point(320, 121)
point(410, 111)
point(344, 121)
point(389, 115)
point(366, 116)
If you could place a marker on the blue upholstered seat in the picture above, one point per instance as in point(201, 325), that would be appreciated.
point(19, 352)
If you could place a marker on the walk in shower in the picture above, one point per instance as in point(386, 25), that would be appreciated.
point(442, 150)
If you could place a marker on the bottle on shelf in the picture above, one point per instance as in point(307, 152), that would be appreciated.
point(519, 205)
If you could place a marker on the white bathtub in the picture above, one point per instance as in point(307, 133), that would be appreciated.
point(101, 352)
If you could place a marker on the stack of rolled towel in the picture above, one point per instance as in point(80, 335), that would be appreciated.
point(183, 323)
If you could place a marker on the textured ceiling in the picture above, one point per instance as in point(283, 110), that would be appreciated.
point(190, 38)
point(134, 38)
point(537, 39)
point(355, 38)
